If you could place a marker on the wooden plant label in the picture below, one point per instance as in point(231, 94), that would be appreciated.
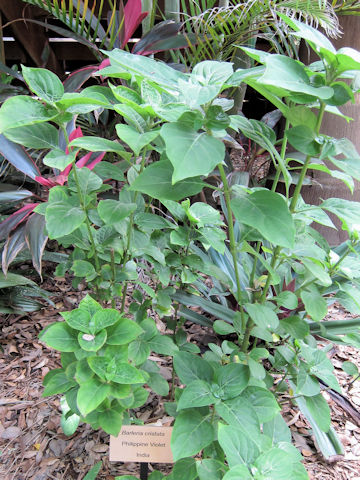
point(142, 443)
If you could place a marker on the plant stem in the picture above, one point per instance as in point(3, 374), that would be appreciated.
point(282, 155)
point(300, 182)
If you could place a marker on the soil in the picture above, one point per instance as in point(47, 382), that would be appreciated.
point(32, 444)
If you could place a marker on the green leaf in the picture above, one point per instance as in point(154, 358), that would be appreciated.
point(92, 473)
point(156, 181)
point(213, 237)
point(184, 468)
point(110, 421)
point(303, 139)
point(196, 394)
point(158, 383)
point(315, 304)
point(57, 158)
point(43, 83)
point(262, 316)
point(136, 141)
point(38, 136)
point(210, 469)
point(295, 326)
point(91, 394)
point(163, 344)
point(106, 170)
point(125, 331)
point(61, 337)
point(82, 268)
point(263, 401)
point(98, 144)
point(190, 367)
point(88, 181)
point(267, 212)
point(223, 328)
point(212, 73)
point(139, 351)
point(92, 343)
point(277, 430)
point(289, 74)
point(13, 280)
point(22, 110)
point(113, 211)
point(320, 410)
point(58, 383)
point(127, 374)
point(104, 318)
point(68, 423)
point(237, 445)
point(191, 153)
point(346, 210)
point(232, 379)
point(62, 218)
point(191, 433)
point(203, 214)
point(239, 413)
point(350, 368)
point(274, 464)
point(238, 472)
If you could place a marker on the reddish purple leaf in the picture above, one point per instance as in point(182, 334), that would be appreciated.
point(13, 246)
point(76, 79)
point(46, 182)
point(15, 219)
point(17, 156)
point(90, 160)
point(36, 239)
point(133, 16)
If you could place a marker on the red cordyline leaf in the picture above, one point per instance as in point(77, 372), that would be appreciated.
point(15, 219)
point(133, 16)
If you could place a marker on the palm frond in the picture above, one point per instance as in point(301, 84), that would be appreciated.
point(239, 22)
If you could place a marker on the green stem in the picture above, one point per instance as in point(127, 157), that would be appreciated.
point(282, 155)
point(300, 182)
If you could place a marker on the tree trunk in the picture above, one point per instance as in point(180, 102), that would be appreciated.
point(326, 186)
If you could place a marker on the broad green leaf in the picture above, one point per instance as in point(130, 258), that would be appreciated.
point(88, 181)
point(158, 384)
point(99, 365)
point(307, 385)
point(113, 211)
point(238, 472)
point(38, 136)
point(82, 268)
point(162, 344)
point(125, 331)
point(203, 214)
point(295, 326)
point(97, 144)
point(232, 379)
point(315, 304)
point(184, 468)
point(289, 74)
point(347, 59)
point(132, 116)
point(92, 473)
point(68, 422)
point(139, 351)
point(196, 394)
point(58, 159)
point(350, 368)
point(13, 280)
point(78, 319)
point(267, 212)
point(106, 170)
point(191, 433)
point(213, 237)
point(43, 83)
point(263, 401)
point(127, 374)
point(303, 139)
point(191, 367)
point(262, 316)
point(58, 383)
point(318, 271)
point(136, 141)
point(110, 421)
point(274, 464)
point(239, 413)
point(61, 337)
point(320, 410)
point(22, 110)
point(212, 73)
point(277, 430)
point(92, 343)
point(62, 218)
point(210, 469)
point(346, 210)
point(239, 447)
point(156, 181)
point(104, 318)
point(91, 394)
point(191, 153)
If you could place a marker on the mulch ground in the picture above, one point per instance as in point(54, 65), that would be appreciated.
point(33, 447)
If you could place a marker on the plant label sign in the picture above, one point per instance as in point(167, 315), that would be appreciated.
point(138, 443)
